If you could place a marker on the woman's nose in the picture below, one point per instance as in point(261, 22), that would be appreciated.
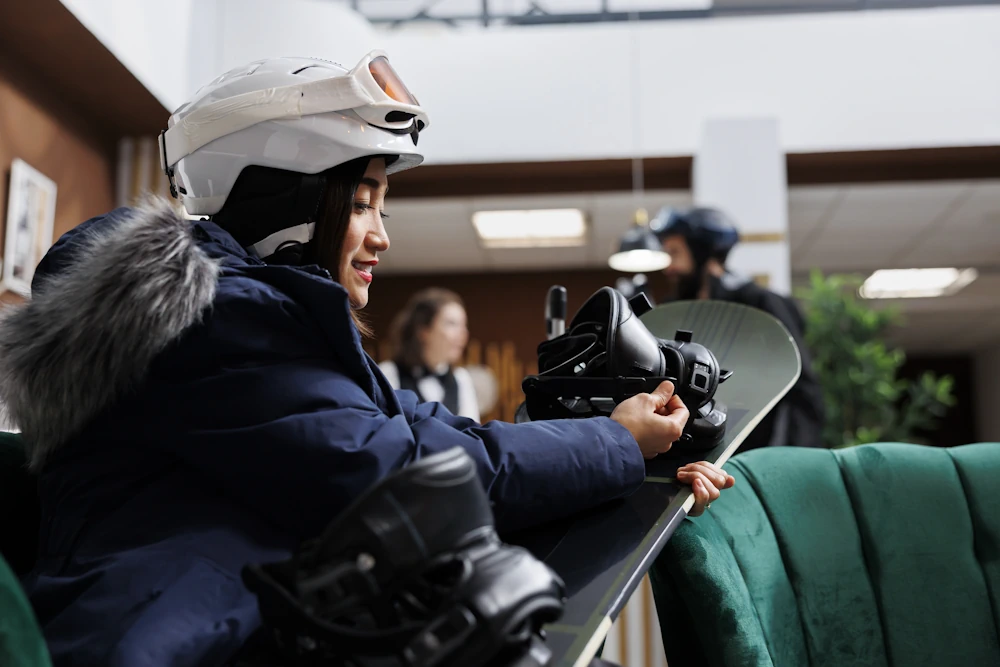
point(378, 238)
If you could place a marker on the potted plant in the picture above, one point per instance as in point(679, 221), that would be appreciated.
point(865, 401)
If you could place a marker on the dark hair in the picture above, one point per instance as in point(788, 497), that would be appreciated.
point(262, 195)
point(335, 212)
point(418, 314)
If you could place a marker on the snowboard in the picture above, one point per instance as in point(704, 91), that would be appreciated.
point(603, 554)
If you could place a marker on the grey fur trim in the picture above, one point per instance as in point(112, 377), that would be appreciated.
point(89, 335)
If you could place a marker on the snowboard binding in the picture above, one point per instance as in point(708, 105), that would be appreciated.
point(608, 355)
point(413, 574)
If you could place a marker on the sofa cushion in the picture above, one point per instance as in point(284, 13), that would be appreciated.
point(879, 555)
point(21, 641)
point(19, 501)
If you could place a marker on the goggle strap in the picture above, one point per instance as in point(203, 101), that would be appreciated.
point(239, 112)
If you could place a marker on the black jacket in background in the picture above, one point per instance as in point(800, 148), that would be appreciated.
point(798, 419)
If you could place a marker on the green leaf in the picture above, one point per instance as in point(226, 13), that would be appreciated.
point(866, 401)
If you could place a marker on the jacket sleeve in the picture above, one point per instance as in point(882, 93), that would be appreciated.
point(538, 471)
point(271, 417)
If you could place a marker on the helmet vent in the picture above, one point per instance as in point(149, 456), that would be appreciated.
point(398, 116)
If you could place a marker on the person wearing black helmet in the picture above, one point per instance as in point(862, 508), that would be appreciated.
point(699, 241)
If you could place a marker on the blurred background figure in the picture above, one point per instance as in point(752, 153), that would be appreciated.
point(428, 339)
point(699, 241)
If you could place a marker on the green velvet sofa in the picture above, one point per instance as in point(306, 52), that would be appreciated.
point(882, 555)
point(21, 642)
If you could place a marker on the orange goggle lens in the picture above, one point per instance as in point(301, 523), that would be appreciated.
point(389, 81)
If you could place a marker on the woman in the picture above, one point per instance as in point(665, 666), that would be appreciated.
point(195, 397)
point(429, 337)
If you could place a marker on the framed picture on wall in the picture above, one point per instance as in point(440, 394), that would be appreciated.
point(31, 212)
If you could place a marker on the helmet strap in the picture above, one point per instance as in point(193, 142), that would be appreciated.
point(277, 242)
point(273, 212)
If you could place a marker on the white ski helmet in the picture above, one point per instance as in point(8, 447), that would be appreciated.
point(299, 115)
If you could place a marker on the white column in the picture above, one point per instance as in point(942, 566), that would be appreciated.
point(740, 169)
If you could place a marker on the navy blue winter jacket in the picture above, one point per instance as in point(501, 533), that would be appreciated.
point(191, 410)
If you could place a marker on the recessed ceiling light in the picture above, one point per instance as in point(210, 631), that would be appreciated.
point(641, 260)
point(639, 251)
point(543, 228)
point(916, 283)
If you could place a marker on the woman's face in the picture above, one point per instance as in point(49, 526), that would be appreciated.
point(445, 339)
point(366, 235)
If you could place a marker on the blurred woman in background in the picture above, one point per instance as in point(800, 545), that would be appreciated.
point(428, 339)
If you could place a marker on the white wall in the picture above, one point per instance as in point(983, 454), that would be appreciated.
point(833, 81)
point(856, 80)
point(152, 39)
point(175, 47)
point(254, 29)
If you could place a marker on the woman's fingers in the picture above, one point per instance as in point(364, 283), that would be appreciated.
point(702, 497)
point(662, 396)
point(713, 491)
point(704, 493)
point(719, 478)
point(706, 481)
point(676, 414)
point(673, 404)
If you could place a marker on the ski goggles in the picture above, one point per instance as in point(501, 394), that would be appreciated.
point(393, 106)
point(372, 89)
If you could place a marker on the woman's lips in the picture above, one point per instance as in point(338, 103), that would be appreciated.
point(364, 269)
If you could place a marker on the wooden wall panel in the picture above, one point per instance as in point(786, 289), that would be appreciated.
point(35, 127)
point(56, 53)
point(873, 166)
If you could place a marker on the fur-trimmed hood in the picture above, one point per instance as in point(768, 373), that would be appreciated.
point(108, 297)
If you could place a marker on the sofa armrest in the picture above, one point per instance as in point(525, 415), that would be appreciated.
point(720, 584)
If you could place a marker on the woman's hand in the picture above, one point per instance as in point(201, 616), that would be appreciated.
point(655, 420)
point(707, 481)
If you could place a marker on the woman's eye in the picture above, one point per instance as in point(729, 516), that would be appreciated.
point(361, 206)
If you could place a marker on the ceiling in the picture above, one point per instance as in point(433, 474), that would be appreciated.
point(436, 235)
point(533, 12)
point(902, 225)
point(835, 228)
point(949, 223)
